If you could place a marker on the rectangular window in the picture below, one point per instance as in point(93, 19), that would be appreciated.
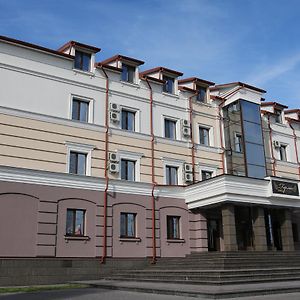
point(201, 96)
point(80, 110)
point(204, 136)
point(75, 222)
point(82, 61)
point(128, 225)
point(238, 143)
point(77, 163)
point(282, 153)
point(278, 118)
point(171, 175)
point(173, 227)
point(128, 120)
point(128, 73)
point(206, 175)
point(168, 85)
point(170, 129)
point(128, 170)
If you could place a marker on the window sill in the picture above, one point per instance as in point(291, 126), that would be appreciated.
point(132, 84)
point(76, 238)
point(91, 74)
point(175, 241)
point(170, 95)
point(129, 239)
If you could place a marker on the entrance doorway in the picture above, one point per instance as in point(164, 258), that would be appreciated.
point(213, 234)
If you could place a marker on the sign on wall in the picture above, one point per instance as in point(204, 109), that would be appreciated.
point(285, 188)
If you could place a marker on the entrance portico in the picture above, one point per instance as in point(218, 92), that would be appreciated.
point(246, 214)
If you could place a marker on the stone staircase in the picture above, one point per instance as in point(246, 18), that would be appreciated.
point(218, 268)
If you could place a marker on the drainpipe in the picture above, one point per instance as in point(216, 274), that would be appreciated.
point(296, 148)
point(152, 174)
point(192, 136)
point(272, 151)
point(105, 169)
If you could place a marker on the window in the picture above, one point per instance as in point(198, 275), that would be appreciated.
point(168, 85)
point(171, 175)
point(173, 227)
point(128, 120)
point(238, 143)
point(127, 169)
point(128, 225)
point(295, 232)
point(204, 136)
point(77, 163)
point(80, 110)
point(201, 96)
point(128, 73)
point(282, 153)
point(82, 61)
point(170, 129)
point(206, 175)
point(278, 118)
point(75, 222)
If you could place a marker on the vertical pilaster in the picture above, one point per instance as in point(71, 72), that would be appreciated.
point(286, 231)
point(259, 229)
point(229, 230)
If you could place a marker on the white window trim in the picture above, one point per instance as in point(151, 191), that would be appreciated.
point(80, 148)
point(136, 74)
point(137, 118)
point(92, 62)
point(286, 152)
point(235, 142)
point(207, 168)
point(90, 101)
point(173, 163)
point(211, 135)
point(178, 132)
point(134, 156)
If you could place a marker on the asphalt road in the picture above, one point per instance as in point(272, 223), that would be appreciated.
point(104, 294)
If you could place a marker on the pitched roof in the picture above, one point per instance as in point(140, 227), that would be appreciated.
point(122, 57)
point(74, 43)
point(196, 80)
point(242, 84)
point(161, 69)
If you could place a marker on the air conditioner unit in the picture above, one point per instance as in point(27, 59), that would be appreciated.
point(114, 107)
point(276, 144)
point(114, 116)
point(113, 167)
point(188, 177)
point(185, 123)
point(186, 131)
point(113, 157)
point(188, 168)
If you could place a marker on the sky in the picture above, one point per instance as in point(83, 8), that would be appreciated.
point(252, 41)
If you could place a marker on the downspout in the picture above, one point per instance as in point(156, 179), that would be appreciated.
point(296, 148)
point(105, 169)
point(271, 144)
point(192, 135)
point(152, 174)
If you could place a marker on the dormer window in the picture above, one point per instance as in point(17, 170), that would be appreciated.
point(128, 73)
point(168, 85)
point(201, 96)
point(278, 117)
point(82, 61)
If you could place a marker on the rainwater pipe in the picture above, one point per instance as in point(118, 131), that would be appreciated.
point(105, 168)
point(296, 148)
point(152, 174)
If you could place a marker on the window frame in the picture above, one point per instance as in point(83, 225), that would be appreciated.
point(212, 169)
point(166, 84)
point(177, 127)
point(170, 227)
point(128, 67)
point(121, 168)
point(238, 141)
point(198, 99)
point(126, 236)
point(209, 129)
point(128, 110)
point(74, 212)
point(83, 149)
point(90, 102)
point(166, 174)
point(173, 163)
point(285, 156)
point(278, 116)
point(83, 53)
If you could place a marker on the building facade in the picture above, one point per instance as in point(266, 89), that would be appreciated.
point(102, 160)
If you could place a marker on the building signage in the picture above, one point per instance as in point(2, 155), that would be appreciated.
point(285, 188)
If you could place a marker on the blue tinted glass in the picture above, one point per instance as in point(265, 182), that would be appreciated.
point(73, 163)
point(123, 225)
point(253, 133)
point(78, 59)
point(124, 72)
point(170, 129)
point(251, 112)
point(124, 169)
point(79, 222)
point(84, 107)
point(256, 171)
point(86, 61)
point(255, 154)
point(75, 109)
point(70, 222)
point(131, 225)
point(201, 95)
point(131, 171)
point(81, 166)
point(131, 117)
point(173, 178)
point(128, 120)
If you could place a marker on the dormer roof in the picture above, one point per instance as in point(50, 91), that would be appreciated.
point(162, 70)
point(274, 105)
point(196, 80)
point(71, 44)
point(238, 83)
point(120, 57)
